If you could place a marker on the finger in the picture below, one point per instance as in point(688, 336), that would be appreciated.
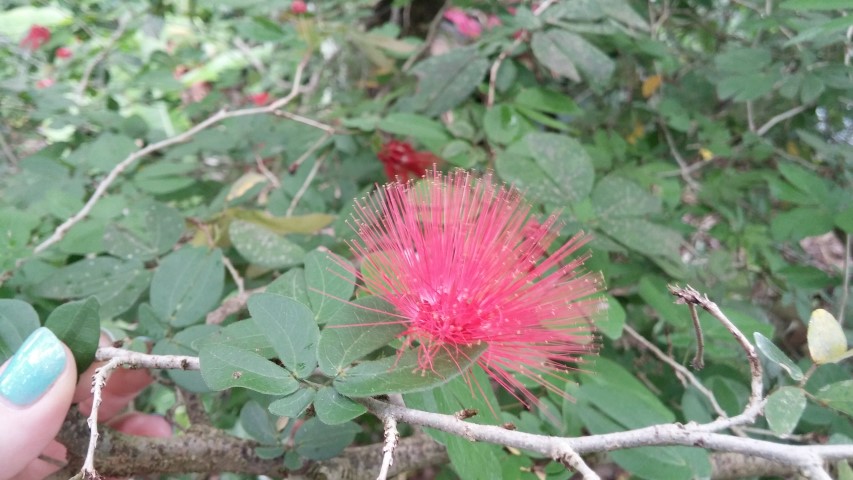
point(36, 386)
point(122, 387)
point(144, 425)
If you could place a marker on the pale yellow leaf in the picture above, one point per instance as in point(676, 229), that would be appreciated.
point(827, 343)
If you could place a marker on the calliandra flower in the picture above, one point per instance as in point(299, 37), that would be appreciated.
point(35, 38)
point(400, 159)
point(464, 263)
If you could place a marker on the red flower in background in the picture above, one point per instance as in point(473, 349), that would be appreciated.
point(45, 83)
point(467, 26)
point(464, 264)
point(63, 52)
point(260, 99)
point(403, 161)
point(35, 38)
point(298, 7)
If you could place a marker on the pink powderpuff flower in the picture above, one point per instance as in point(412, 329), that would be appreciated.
point(464, 263)
point(35, 38)
point(298, 7)
point(467, 26)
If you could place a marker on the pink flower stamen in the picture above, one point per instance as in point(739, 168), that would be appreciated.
point(464, 263)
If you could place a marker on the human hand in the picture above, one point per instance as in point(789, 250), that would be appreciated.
point(37, 387)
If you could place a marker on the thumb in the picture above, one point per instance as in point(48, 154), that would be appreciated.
point(36, 386)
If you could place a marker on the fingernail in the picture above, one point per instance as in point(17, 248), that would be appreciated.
point(33, 368)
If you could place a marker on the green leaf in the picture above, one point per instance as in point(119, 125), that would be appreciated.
point(15, 228)
point(160, 178)
point(815, 5)
point(293, 405)
point(356, 330)
point(258, 423)
point(116, 284)
point(545, 100)
point(18, 319)
point(291, 328)
point(643, 236)
point(330, 280)
point(263, 247)
point(291, 284)
point(225, 367)
point(553, 169)
point(187, 285)
point(784, 408)
point(838, 395)
point(333, 408)
point(245, 335)
point(103, 153)
point(444, 81)
point(564, 53)
point(317, 441)
point(613, 322)
point(775, 355)
point(502, 124)
point(551, 53)
point(615, 196)
point(402, 373)
point(621, 10)
point(826, 339)
point(182, 344)
point(147, 231)
point(78, 325)
point(419, 127)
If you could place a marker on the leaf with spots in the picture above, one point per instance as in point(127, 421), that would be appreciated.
point(187, 285)
point(225, 367)
point(264, 247)
point(116, 284)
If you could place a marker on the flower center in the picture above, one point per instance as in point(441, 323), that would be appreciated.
point(453, 318)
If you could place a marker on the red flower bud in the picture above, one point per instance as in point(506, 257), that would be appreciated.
point(403, 161)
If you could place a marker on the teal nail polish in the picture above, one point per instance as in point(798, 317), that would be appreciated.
point(33, 368)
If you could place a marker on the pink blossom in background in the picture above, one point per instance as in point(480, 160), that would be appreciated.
point(298, 7)
point(467, 26)
point(260, 99)
point(45, 83)
point(63, 52)
point(35, 38)
point(463, 263)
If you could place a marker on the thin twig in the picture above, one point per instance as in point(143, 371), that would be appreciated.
point(806, 457)
point(750, 116)
point(681, 370)
point(683, 167)
point(313, 148)
point(99, 381)
point(307, 121)
point(392, 437)
point(304, 187)
point(235, 275)
point(230, 306)
point(97, 59)
point(845, 292)
point(780, 118)
point(755, 403)
point(699, 359)
point(573, 461)
point(111, 177)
